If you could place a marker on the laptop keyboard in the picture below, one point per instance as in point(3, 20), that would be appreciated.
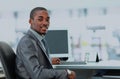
point(72, 63)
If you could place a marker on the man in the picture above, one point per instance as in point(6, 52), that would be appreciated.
point(33, 61)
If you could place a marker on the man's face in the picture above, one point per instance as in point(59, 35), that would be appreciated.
point(40, 22)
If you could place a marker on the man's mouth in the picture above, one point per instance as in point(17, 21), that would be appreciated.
point(46, 27)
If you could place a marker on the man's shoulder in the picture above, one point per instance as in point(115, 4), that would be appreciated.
point(25, 39)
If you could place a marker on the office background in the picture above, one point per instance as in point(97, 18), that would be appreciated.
point(93, 24)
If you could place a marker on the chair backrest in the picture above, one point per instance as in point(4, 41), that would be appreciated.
point(7, 57)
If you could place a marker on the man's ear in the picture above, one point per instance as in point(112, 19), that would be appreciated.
point(30, 21)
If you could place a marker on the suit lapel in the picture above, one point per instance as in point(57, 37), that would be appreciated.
point(33, 36)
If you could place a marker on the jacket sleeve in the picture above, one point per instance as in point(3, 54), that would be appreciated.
point(28, 54)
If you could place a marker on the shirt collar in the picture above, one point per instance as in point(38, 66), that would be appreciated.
point(38, 36)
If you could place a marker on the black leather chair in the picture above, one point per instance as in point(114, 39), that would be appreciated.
point(7, 57)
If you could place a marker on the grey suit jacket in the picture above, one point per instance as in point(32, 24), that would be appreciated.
point(32, 62)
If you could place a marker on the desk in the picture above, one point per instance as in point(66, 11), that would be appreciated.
point(86, 71)
point(112, 64)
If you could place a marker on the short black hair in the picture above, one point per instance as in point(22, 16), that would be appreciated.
point(34, 10)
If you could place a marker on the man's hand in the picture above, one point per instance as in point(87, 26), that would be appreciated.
point(55, 61)
point(72, 75)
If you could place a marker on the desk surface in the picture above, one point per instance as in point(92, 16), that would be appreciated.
point(112, 64)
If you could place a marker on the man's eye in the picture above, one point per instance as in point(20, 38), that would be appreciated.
point(40, 19)
point(47, 20)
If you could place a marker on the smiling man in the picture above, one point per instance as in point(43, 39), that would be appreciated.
point(32, 54)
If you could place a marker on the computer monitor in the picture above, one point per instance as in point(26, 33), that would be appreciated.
point(58, 42)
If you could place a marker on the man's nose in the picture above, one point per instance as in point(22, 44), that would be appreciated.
point(45, 22)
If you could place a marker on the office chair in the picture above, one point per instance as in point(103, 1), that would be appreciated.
point(7, 57)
